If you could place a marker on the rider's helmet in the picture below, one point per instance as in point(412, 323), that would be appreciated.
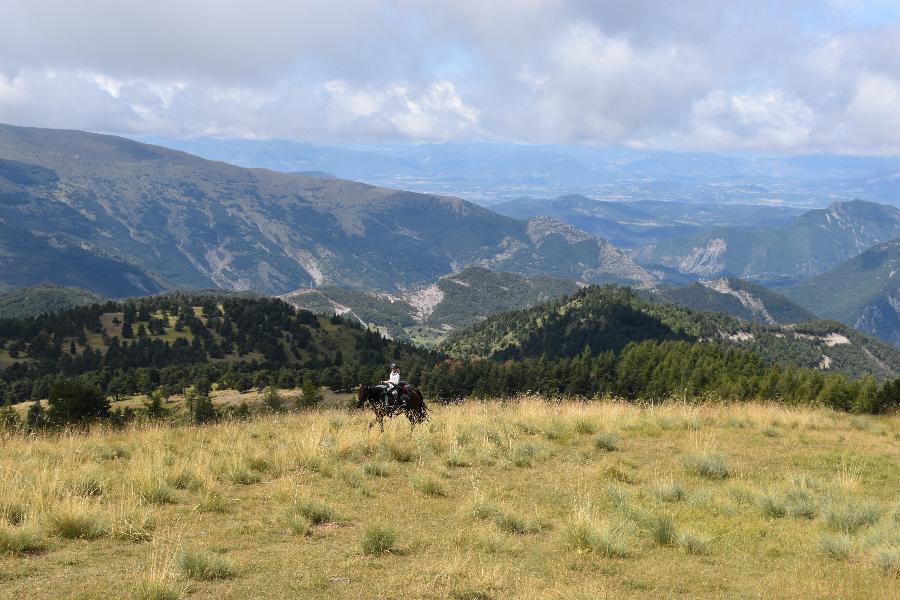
point(394, 366)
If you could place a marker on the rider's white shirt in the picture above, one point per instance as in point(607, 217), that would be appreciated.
point(394, 379)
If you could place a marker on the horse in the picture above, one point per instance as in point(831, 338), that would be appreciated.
point(373, 396)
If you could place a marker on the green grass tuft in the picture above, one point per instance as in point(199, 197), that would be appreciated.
point(693, 543)
point(72, 524)
point(706, 465)
point(20, 540)
point(155, 590)
point(316, 512)
point(378, 540)
point(429, 486)
point(606, 441)
point(849, 519)
point(202, 566)
point(836, 547)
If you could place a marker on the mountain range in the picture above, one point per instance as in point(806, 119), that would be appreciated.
point(607, 318)
point(123, 218)
point(489, 172)
point(634, 224)
point(427, 315)
point(863, 291)
point(735, 297)
point(813, 243)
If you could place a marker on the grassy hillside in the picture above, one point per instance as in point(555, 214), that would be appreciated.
point(607, 318)
point(123, 218)
point(736, 297)
point(516, 500)
point(862, 292)
point(815, 242)
point(428, 314)
point(44, 298)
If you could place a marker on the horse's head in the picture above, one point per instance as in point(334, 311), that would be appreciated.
point(360, 396)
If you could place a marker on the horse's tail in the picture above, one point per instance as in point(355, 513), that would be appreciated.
point(360, 396)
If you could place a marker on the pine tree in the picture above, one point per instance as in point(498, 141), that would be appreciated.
point(272, 399)
point(35, 417)
point(310, 394)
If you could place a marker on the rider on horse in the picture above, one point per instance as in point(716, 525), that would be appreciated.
point(393, 386)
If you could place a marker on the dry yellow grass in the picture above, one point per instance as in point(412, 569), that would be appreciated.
point(517, 500)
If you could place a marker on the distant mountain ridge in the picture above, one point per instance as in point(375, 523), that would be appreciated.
point(427, 315)
point(738, 298)
point(608, 318)
point(44, 298)
point(633, 224)
point(863, 291)
point(123, 218)
point(815, 242)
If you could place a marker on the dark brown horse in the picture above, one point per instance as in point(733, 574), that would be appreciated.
point(373, 397)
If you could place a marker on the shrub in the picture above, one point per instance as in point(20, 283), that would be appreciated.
point(73, 401)
point(708, 466)
point(378, 540)
point(607, 441)
point(17, 540)
point(9, 418)
point(202, 566)
point(272, 399)
point(309, 394)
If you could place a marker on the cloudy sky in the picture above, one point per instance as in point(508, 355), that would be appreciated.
point(788, 76)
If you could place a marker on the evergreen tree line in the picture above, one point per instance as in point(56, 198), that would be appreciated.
point(643, 372)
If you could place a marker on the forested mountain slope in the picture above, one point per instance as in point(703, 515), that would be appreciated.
point(43, 298)
point(177, 338)
point(735, 297)
point(608, 318)
point(863, 292)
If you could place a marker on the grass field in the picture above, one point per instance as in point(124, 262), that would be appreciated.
point(519, 500)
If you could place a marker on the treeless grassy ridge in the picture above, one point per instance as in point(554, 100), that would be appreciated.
point(527, 499)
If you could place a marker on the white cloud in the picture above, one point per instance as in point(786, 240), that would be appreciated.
point(693, 74)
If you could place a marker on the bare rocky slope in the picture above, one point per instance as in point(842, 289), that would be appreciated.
point(816, 241)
